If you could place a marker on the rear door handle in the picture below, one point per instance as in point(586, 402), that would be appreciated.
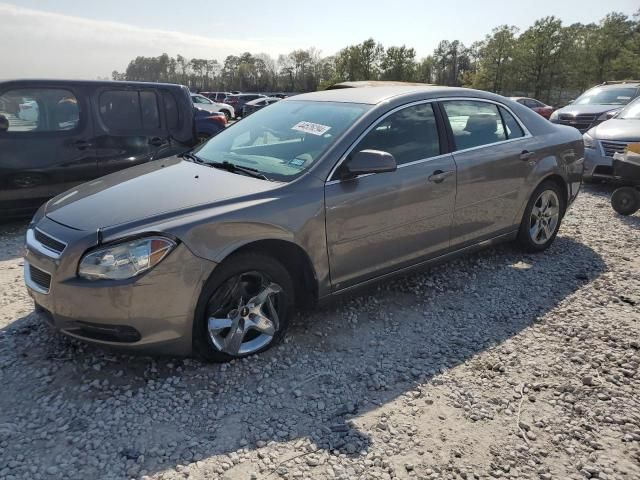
point(83, 144)
point(157, 141)
point(439, 176)
point(526, 155)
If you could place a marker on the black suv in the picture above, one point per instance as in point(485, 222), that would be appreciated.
point(55, 134)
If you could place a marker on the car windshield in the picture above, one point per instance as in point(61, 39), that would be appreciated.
point(631, 111)
point(283, 140)
point(607, 96)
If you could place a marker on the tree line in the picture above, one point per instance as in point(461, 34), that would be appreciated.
point(549, 61)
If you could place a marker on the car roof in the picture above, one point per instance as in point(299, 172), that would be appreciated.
point(106, 83)
point(611, 85)
point(373, 96)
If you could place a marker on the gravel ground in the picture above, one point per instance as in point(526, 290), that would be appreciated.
point(496, 365)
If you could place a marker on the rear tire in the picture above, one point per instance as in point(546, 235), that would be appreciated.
point(227, 114)
point(238, 277)
point(542, 217)
point(625, 200)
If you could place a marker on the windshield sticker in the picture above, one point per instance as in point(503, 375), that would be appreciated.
point(298, 162)
point(312, 128)
point(624, 98)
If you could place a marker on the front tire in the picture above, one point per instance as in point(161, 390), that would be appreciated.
point(542, 217)
point(625, 200)
point(244, 308)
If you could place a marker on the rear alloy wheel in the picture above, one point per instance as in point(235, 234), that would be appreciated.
point(625, 200)
point(244, 308)
point(542, 218)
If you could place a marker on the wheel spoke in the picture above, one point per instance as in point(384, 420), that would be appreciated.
point(261, 298)
point(273, 313)
point(261, 324)
point(233, 340)
point(217, 325)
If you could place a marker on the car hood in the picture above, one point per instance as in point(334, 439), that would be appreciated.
point(587, 109)
point(617, 129)
point(149, 190)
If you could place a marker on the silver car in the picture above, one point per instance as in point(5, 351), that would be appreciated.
point(316, 195)
point(200, 101)
point(608, 138)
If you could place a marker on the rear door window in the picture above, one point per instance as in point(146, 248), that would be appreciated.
point(129, 110)
point(150, 113)
point(172, 113)
point(474, 123)
point(39, 110)
point(512, 127)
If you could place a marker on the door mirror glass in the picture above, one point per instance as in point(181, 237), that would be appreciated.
point(4, 124)
point(368, 161)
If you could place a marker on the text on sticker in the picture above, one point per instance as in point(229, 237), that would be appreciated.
point(312, 128)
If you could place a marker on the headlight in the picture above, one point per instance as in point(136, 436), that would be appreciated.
point(126, 259)
point(608, 115)
point(588, 141)
point(554, 116)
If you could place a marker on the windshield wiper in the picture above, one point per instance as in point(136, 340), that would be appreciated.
point(191, 156)
point(233, 168)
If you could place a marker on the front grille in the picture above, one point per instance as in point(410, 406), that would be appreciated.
point(609, 148)
point(581, 122)
point(40, 277)
point(49, 242)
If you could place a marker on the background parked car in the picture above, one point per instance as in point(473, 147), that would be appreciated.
point(597, 105)
point(609, 138)
point(535, 105)
point(83, 130)
point(209, 124)
point(204, 103)
point(216, 96)
point(257, 104)
point(238, 101)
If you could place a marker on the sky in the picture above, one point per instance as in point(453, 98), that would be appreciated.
point(89, 39)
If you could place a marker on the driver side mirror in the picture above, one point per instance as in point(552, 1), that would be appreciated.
point(4, 124)
point(366, 162)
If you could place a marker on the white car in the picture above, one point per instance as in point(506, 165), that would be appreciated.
point(204, 103)
point(29, 111)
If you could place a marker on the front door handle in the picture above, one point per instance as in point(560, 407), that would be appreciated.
point(526, 155)
point(439, 176)
point(157, 141)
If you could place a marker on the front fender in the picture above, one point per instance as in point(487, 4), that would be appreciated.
point(216, 241)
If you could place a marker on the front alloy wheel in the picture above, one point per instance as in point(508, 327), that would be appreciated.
point(244, 308)
point(243, 315)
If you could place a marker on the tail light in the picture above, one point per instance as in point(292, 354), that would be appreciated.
point(221, 119)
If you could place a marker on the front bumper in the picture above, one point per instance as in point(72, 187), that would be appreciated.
point(596, 164)
point(152, 313)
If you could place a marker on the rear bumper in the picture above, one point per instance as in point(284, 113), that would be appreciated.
point(151, 313)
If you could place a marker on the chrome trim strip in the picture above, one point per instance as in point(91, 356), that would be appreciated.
point(31, 284)
point(40, 247)
point(527, 133)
